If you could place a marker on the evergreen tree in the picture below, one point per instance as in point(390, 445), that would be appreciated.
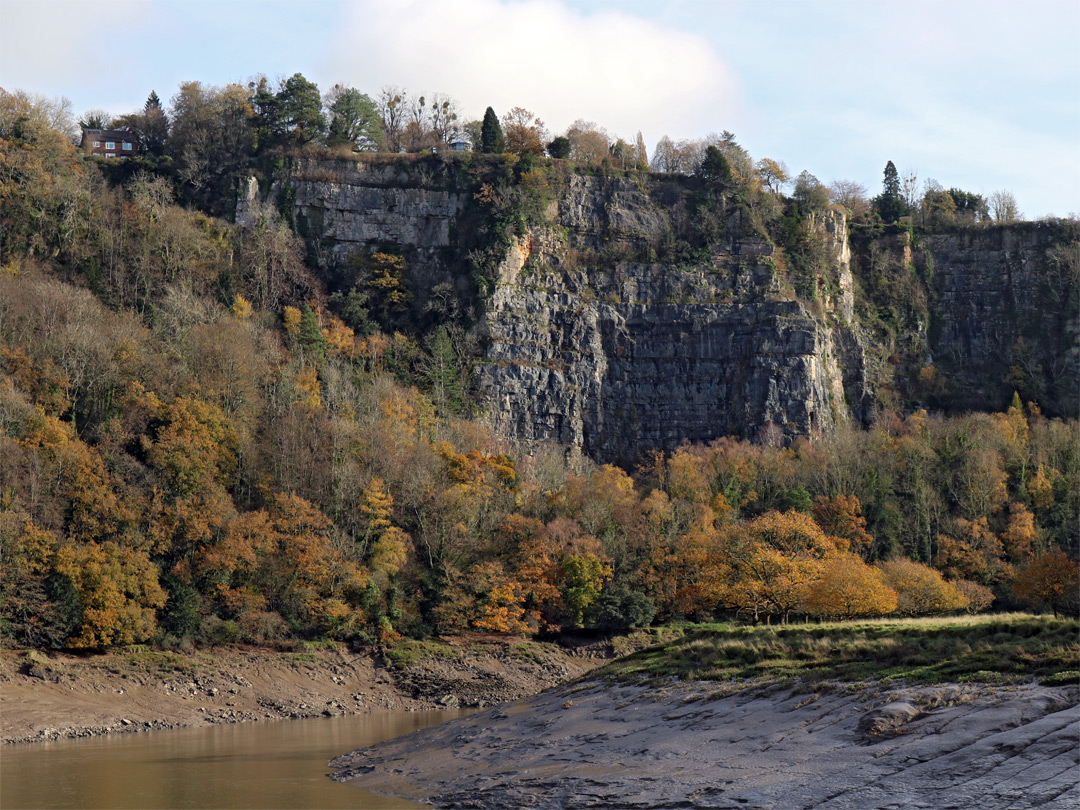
point(491, 134)
point(559, 147)
point(354, 119)
point(444, 373)
point(154, 126)
point(310, 337)
point(301, 109)
point(890, 203)
point(714, 166)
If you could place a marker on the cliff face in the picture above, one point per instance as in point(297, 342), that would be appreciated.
point(624, 357)
point(598, 336)
point(1005, 314)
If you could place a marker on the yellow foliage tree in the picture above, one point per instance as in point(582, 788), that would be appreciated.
point(921, 591)
point(241, 308)
point(846, 588)
point(119, 590)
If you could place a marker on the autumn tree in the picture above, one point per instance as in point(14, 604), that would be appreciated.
point(119, 591)
point(841, 516)
point(523, 132)
point(847, 588)
point(774, 174)
point(773, 562)
point(1051, 580)
point(921, 591)
point(589, 143)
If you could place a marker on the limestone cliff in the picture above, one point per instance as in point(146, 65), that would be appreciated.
point(1005, 314)
point(619, 358)
point(629, 312)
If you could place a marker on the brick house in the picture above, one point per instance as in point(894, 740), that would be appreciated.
point(109, 143)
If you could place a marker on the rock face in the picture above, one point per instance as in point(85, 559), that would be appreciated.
point(599, 335)
point(618, 358)
point(621, 360)
point(1006, 313)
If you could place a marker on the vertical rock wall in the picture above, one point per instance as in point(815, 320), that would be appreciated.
point(1005, 314)
point(621, 358)
point(613, 356)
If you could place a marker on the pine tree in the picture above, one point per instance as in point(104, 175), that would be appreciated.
point(491, 134)
point(310, 337)
point(890, 204)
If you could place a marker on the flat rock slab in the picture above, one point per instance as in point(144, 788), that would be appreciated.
point(704, 746)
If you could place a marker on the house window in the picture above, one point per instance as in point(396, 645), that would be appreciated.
point(109, 156)
point(127, 147)
point(97, 144)
point(110, 144)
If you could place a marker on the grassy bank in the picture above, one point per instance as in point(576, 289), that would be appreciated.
point(1009, 648)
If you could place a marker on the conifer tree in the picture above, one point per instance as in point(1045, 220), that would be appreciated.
point(491, 134)
point(890, 203)
point(310, 337)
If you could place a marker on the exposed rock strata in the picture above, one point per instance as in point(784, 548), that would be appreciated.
point(596, 340)
point(1005, 313)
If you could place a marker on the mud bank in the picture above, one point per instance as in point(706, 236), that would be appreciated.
point(839, 747)
point(53, 696)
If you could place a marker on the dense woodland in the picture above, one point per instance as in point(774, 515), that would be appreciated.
point(199, 444)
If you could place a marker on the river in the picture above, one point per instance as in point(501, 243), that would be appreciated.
point(248, 765)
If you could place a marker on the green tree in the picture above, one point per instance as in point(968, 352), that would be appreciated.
point(491, 134)
point(354, 119)
point(266, 112)
point(559, 148)
point(154, 134)
point(810, 194)
point(714, 166)
point(301, 109)
point(310, 337)
point(890, 203)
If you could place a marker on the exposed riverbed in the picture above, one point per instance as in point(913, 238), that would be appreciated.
point(702, 745)
point(54, 696)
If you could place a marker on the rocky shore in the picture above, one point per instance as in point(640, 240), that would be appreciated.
point(49, 696)
point(832, 747)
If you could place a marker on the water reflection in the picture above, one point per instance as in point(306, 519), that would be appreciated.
point(251, 765)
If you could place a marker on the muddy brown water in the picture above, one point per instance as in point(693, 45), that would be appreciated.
point(249, 765)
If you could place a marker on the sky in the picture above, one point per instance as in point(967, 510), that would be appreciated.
point(982, 95)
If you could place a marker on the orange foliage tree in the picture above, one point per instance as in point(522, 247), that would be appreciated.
point(1050, 580)
point(921, 591)
point(847, 587)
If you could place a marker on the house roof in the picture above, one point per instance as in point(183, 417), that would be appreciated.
point(110, 134)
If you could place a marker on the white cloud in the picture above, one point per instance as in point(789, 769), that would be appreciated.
point(623, 72)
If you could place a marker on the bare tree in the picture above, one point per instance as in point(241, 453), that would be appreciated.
point(1003, 207)
point(444, 118)
point(393, 106)
point(909, 190)
point(851, 195)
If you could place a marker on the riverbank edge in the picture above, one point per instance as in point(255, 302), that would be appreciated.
point(51, 696)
